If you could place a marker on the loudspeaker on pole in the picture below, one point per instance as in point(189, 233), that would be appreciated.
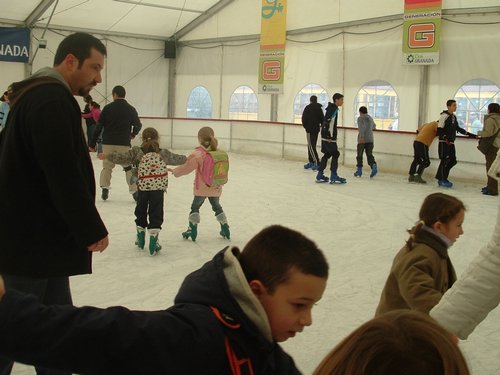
point(170, 49)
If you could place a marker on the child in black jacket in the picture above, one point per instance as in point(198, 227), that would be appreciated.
point(227, 319)
point(447, 130)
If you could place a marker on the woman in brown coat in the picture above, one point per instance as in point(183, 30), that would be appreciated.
point(422, 271)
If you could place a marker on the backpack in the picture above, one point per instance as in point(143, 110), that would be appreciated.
point(215, 167)
point(152, 172)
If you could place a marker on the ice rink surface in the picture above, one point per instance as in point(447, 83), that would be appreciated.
point(360, 226)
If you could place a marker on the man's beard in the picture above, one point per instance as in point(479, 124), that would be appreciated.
point(84, 91)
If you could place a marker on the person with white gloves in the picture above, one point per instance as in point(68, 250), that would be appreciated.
point(477, 292)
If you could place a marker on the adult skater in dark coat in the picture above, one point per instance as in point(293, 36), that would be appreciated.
point(312, 118)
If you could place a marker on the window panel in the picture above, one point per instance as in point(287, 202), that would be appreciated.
point(243, 104)
point(303, 98)
point(382, 102)
point(472, 103)
point(199, 103)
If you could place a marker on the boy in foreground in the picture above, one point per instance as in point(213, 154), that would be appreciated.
point(228, 318)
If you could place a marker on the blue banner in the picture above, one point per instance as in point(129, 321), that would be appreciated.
point(14, 44)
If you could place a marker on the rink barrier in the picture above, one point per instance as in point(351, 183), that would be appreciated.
point(393, 150)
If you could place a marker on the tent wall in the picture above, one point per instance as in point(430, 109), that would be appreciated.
point(242, 17)
point(10, 72)
point(393, 150)
point(467, 52)
point(300, 14)
point(343, 60)
point(137, 64)
point(341, 56)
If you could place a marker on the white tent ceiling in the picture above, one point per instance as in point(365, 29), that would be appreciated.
point(158, 19)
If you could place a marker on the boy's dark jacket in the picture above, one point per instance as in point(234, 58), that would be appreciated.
point(448, 132)
point(329, 131)
point(47, 187)
point(187, 338)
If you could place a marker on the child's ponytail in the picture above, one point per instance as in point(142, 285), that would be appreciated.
point(206, 137)
point(150, 140)
point(436, 207)
point(413, 233)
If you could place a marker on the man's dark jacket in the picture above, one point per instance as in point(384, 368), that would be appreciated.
point(47, 187)
point(120, 123)
point(312, 117)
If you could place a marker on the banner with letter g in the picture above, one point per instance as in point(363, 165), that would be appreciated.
point(421, 32)
point(272, 46)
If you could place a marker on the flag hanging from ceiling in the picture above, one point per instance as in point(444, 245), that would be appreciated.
point(421, 32)
point(272, 46)
point(14, 44)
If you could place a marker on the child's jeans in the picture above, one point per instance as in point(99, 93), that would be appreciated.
point(198, 202)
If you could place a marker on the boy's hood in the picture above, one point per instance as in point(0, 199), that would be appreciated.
point(221, 283)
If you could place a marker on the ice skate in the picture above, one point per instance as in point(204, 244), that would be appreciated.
point(191, 232)
point(335, 179)
point(308, 165)
point(224, 226)
point(445, 183)
point(419, 180)
point(487, 192)
point(141, 237)
point(154, 245)
point(224, 231)
point(320, 177)
point(105, 194)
